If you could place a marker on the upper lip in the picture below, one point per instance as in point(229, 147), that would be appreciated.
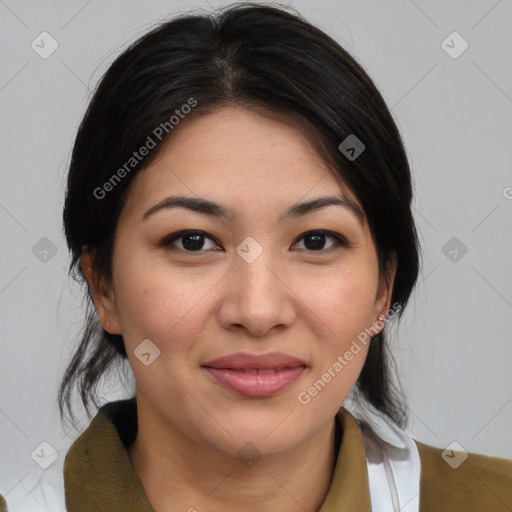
point(244, 361)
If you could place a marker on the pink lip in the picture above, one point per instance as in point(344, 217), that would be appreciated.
point(229, 371)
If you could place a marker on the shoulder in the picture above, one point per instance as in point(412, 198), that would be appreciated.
point(113, 427)
point(3, 505)
point(455, 480)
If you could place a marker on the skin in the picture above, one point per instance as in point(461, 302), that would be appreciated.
point(197, 306)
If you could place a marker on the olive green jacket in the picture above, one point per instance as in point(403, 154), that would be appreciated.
point(98, 475)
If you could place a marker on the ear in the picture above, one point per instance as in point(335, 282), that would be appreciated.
point(104, 300)
point(384, 291)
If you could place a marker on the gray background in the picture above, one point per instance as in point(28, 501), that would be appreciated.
point(454, 346)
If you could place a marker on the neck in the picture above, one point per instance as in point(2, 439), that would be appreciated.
point(178, 473)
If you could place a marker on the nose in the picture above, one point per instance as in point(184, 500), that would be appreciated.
point(257, 296)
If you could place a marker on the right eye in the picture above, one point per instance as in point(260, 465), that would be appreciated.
point(191, 241)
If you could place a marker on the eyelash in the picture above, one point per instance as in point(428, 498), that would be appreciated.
point(167, 241)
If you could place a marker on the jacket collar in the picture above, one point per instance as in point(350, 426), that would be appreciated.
point(98, 474)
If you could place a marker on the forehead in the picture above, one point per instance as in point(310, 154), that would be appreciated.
point(237, 156)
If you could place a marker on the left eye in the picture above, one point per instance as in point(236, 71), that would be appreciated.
point(193, 241)
point(317, 239)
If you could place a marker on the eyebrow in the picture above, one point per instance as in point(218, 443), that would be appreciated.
point(212, 209)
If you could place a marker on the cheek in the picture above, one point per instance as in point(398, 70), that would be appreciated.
point(159, 303)
point(348, 314)
point(344, 302)
point(168, 309)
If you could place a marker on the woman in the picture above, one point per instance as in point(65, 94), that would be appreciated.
point(239, 204)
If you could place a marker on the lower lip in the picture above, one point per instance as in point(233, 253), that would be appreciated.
point(256, 384)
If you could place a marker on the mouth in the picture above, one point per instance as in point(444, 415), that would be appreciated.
point(257, 370)
point(255, 375)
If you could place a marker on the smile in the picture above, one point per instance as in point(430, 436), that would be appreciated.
point(255, 382)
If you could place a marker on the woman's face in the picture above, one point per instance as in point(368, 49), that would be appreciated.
point(251, 283)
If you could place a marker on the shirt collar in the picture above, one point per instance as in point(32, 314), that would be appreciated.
point(98, 474)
